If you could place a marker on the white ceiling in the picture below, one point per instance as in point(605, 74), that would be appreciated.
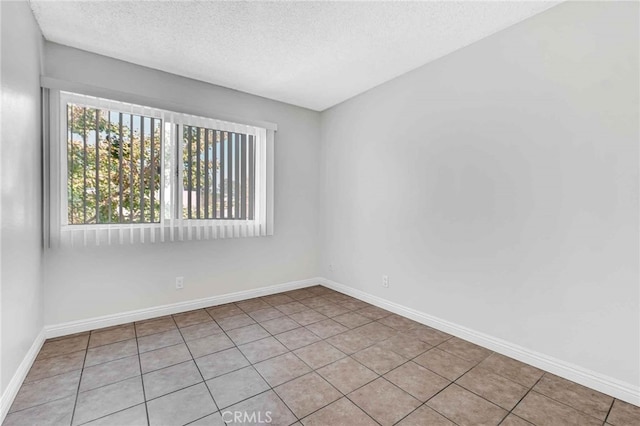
point(311, 54)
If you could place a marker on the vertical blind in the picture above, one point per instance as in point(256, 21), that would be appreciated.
point(134, 174)
point(218, 178)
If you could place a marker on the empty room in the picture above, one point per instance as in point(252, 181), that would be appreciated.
point(320, 213)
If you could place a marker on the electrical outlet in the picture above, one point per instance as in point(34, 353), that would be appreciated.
point(179, 283)
point(331, 267)
point(385, 281)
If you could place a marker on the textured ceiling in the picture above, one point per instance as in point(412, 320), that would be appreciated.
point(311, 54)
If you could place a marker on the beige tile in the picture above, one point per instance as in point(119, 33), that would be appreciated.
point(352, 319)
point(299, 294)
point(514, 370)
point(46, 390)
point(63, 347)
point(279, 325)
point(350, 342)
point(379, 359)
point(497, 389)
point(247, 334)
point(375, 331)
point(623, 414)
point(214, 419)
point(158, 325)
point(466, 408)
point(54, 413)
point(281, 369)
point(220, 363)
point(540, 410)
point(208, 345)
point(307, 317)
point(417, 381)
point(236, 321)
point(47, 367)
point(405, 345)
point(398, 322)
point(327, 328)
point(170, 379)
point(383, 401)
point(465, 350)
point(262, 349)
point(340, 413)
point(159, 340)
point(164, 357)
point(198, 331)
point(297, 338)
point(373, 312)
point(307, 394)
point(186, 319)
point(319, 354)
point(347, 375)
point(425, 416)
point(224, 311)
point(266, 314)
point(445, 364)
point(108, 399)
point(265, 408)
point(236, 386)
point(110, 372)
point(111, 352)
point(513, 420)
point(181, 407)
point(426, 334)
point(252, 305)
point(581, 398)
point(316, 302)
point(134, 416)
point(291, 308)
point(277, 299)
point(332, 310)
point(110, 335)
point(355, 304)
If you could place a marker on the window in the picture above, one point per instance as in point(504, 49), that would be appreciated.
point(113, 166)
point(135, 174)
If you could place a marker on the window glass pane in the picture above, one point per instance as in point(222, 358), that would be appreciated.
point(113, 166)
point(218, 173)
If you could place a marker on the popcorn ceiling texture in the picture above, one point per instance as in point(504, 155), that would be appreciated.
point(310, 54)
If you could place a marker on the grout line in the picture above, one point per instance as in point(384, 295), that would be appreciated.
point(609, 412)
point(194, 361)
point(144, 394)
point(75, 404)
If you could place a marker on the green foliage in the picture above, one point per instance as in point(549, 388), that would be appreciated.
point(122, 157)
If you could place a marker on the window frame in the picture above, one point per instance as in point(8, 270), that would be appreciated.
point(171, 225)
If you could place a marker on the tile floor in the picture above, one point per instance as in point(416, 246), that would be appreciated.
point(311, 356)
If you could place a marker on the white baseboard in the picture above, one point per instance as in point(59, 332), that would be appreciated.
point(16, 381)
point(72, 327)
point(608, 385)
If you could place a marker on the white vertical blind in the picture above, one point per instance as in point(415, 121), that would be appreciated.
point(172, 225)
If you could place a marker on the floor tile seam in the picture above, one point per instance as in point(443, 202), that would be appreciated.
point(533, 388)
point(563, 403)
point(75, 404)
point(215, 404)
point(115, 412)
point(424, 404)
point(144, 395)
point(38, 358)
point(58, 398)
point(609, 412)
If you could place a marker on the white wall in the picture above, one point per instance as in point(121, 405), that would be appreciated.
point(81, 284)
point(498, 187)
point(21, 261)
